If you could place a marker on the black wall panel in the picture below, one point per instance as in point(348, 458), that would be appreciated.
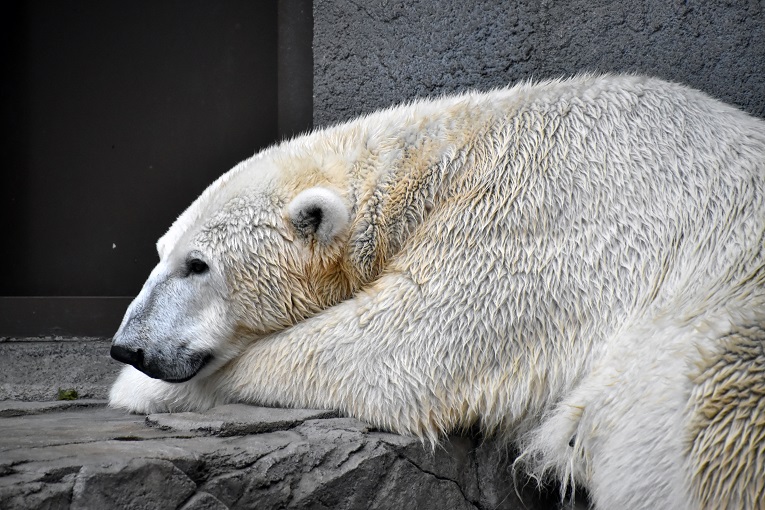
point(115, 116)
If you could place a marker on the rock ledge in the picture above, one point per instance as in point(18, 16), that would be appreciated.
point(81, 454)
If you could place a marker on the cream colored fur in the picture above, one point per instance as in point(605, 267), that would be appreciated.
point(576, 265)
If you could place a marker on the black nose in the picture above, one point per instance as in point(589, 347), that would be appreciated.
point(129, 356)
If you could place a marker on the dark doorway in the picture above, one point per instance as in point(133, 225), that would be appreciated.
point(116, 116)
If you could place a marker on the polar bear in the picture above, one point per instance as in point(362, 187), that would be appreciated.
point(575, 265)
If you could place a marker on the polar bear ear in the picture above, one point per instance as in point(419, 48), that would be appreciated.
point(318, 212)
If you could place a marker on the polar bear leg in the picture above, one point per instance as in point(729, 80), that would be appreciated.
point(136, 392)
point(624, 430)
point(139, 393)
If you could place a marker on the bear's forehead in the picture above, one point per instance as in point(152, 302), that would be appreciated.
point(247, 208)
point(242, 220)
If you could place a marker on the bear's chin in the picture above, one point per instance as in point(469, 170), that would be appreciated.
point(180, 374)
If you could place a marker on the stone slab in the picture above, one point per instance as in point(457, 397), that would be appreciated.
point(10, 408)
point(236, 420)
point(96, 457)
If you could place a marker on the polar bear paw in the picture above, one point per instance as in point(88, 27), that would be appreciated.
point(138, 393)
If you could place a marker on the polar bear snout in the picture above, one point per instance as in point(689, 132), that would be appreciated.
point(176, 325)
point(178, 366)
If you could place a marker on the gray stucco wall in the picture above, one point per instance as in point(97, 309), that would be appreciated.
point(371, 54)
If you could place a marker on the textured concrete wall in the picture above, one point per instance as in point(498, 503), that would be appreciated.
point(371, 54)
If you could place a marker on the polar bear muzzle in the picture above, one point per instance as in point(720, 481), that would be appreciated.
point(173, 329)
point(181, 371)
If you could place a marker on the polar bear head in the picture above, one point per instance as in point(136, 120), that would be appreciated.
point(261, 249)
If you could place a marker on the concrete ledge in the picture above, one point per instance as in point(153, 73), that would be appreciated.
point(34, 369)
point(93, 457)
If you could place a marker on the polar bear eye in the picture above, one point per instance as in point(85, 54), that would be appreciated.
point(196, 266)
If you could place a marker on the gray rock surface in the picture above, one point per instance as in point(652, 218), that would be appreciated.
point(135, 483)
point(10, 408)
point(87, 456)
point(369, 55)
point(236, 420)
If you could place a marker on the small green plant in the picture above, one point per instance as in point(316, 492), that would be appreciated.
point(67, 394)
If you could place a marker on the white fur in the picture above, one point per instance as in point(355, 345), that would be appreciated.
point(561, 263)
